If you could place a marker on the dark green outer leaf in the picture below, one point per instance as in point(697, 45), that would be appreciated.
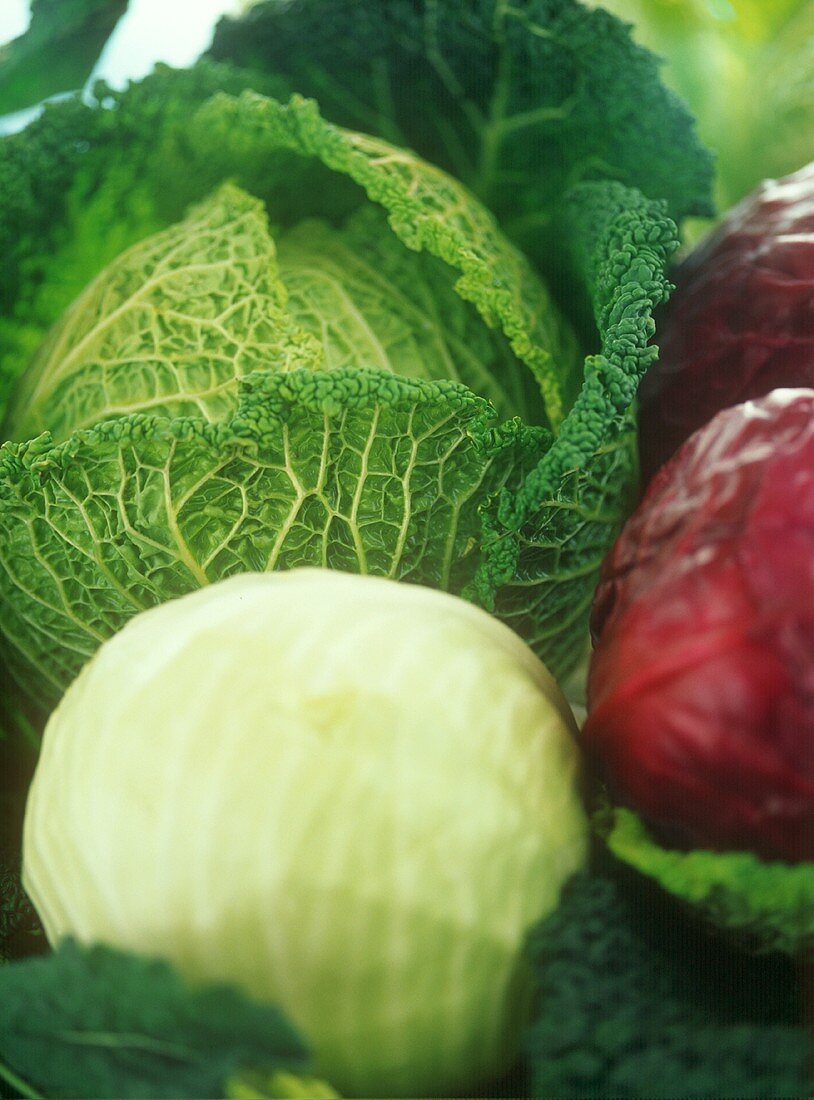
point(94, 1022)
point(528, 98)
point(637, 1000)
point(552, 564)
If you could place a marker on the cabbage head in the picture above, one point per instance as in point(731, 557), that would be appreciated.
point(237, 336)
point(351, 797)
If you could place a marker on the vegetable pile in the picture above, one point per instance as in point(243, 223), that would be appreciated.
point(319, 377)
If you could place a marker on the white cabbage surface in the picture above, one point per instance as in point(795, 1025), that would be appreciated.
point(351, 796)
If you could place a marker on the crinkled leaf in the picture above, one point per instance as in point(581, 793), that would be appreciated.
point(371, 303)
point(173, 323)
point(359, 471)
point(428, 210)
point(265, 144)
point(552, 563)
point(169, 326)
point(94, 1022)
point(544, 546)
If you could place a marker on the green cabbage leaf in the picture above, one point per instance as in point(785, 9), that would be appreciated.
point(359, 471)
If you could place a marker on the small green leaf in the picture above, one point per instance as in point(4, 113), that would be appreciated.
point(94, 1022)
point(278, 1086)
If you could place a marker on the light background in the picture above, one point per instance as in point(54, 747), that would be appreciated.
point(13, 18)
point(173, 31)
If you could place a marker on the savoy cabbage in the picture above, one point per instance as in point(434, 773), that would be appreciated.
point(237, 335)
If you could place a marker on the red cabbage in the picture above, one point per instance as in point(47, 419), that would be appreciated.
point(701, 685)
point(741, 320)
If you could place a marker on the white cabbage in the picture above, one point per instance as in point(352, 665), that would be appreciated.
point(351, 796)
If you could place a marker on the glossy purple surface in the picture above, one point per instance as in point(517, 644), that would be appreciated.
point(741, 320)
point(701, 687)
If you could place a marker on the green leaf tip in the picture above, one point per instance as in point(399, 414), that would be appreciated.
point(766, 906)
